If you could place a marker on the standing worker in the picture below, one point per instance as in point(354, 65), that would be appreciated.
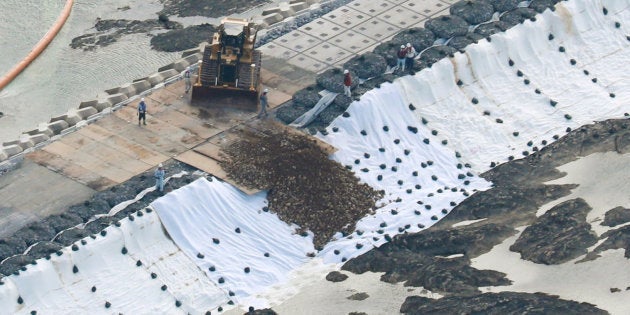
point(411, 54)
point(142, 112)
point(263, 103)
point(159, 178)
point(187, 79)
point(347, 83)
point(402, 55)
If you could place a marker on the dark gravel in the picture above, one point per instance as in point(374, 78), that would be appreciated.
point(305, 186)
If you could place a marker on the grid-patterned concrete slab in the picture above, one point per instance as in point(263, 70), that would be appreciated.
point(352, 41)
point(402, 17)
point(298, 41)
point(347, 17)
point(426, 7)
point(377, 29)
point(370, 7)
point(328, 53)
point(397, 1)
point(308, 63)
point(278, 51)
point(322, 29)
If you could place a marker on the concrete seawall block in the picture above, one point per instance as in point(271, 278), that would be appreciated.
point(38, 138)
point(141, 86)
point(167, 67)
point(286, 12)
point(72, 119)
point(100, 106)
point(117, 98)
point(194, 58)
point(128, 90)
point(86, 112)
point(270, 11)
point(272, 18)
point(3, 156)
point(88, 104)
point(58, 118)
point(298, 6)
point(113, 90)
point(12, 150)
point(57, 126)
point(189, 52)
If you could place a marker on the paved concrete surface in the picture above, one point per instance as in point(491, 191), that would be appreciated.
point(33, 192)
point(114, 149)
point(349, 30)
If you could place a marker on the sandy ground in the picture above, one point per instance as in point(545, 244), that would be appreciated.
point(603, 183)
point(308, 292)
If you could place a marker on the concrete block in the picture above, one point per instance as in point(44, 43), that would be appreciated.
point(58, 126)
point(58, 118)
point(194, 58)
point(298, 6)
point(113, 91)
point(286, 12)
point(128, 90)
point(86, 112)
point(13, 150)
point(141, 86)
point(270, 11)
point(272, 19)
point(180, 65)
point(156, 79)
point(31, 132)
point(100, 106)
point(3, 156)
point(189, 52)
point(117, 98)
point(39, 138)
point(167, 67)
point(27, 143)
point(72, 119)
point(88, 104)
point(8, 143)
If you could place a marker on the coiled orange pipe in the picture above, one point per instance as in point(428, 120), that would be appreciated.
point(41, 45)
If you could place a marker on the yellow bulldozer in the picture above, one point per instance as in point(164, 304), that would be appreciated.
point(229, 74)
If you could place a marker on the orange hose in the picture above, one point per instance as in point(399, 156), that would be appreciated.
point(41, 45)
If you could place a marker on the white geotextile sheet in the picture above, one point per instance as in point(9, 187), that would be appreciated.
point(52, 286)
point(427, 182)
point(510, 118)
point(203, 218)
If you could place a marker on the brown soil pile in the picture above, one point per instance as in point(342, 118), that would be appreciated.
point(304, 186)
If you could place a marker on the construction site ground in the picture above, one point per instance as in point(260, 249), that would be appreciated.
point(114, 149)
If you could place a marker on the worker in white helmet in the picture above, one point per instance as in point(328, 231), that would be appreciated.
point(402, 55)
point(263, 104)
point(347, 83)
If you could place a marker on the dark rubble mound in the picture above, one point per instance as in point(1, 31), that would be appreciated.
point(460, 42)
point(542, 5)
point(304, 186)
point(332, 80)
point(426, 262)
point(557, 236)
point(517, 16)
point(419, 37)
point(497, 303)
point(307, 97)
point(436, 53)
point(473, 11)
point(615, 239)
point(488, 29)
point(183, 39)
point(504, 5)
point(447, 26)
point(208, 8)
point(367, 65)
point(616, 216)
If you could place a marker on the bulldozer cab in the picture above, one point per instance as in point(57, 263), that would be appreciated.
point(229, 74)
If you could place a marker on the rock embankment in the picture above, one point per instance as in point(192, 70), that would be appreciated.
point(497, 303)
point(559, 235)
point(438, 258)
